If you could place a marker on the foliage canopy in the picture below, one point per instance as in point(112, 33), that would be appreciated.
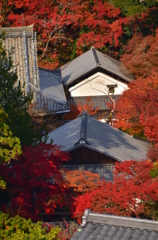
point(17, 228)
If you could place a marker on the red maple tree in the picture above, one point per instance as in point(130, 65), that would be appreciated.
point(137, 109)
point(66, 28)
point(132, 193)
point(140, 55)
point(50, 19)
point(35, 183)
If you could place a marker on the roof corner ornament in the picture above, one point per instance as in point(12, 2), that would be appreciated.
point(85, 217)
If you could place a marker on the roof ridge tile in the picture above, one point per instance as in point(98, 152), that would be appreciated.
point(95, 56)
point(83, 129)
point(127, 222)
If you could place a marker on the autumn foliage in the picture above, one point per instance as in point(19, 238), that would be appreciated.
point(34, 183)
point(66, 29)
point(140, 55)
point(132, 193)
point(137, 110)
point(88, 107)
point(81, 181)
point(37, 184)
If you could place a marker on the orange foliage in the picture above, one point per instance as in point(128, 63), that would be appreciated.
point(81, 181)
point(75, 111)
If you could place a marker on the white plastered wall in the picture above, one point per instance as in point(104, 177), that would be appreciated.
point(96, 85)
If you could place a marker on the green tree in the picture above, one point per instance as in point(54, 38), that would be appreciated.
point(132, 7)
point(9, 145)
point(18, 228)
point(13, 100)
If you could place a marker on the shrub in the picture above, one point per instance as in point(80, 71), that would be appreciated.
point(17, 228)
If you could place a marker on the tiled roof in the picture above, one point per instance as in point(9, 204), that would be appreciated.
point(96, 100)
point(51, 85)
point(46, 85)
point(93, 134)
point(22, 42)
point(90, 61)
point(108, 227)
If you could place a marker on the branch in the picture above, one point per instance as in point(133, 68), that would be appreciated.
point(112, 110)
point(109, 120)
point(49, 38)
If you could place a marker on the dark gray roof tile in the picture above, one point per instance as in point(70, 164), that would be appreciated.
point(128, 232)
point(85, 234)
point(151, 237)
point(51, 86)
point(120, 232)
point(81, 238)
point(144, 236)
point(47, 85)
point(134, 229)
point(100, 137)
point(74, 237)
point(116, 237)
point(124, 238)
point(100, 237)
point(22, 43)
point(91, 237)
point(89, 61)
point(111, 233)
point(78, 67)
point(113, 66)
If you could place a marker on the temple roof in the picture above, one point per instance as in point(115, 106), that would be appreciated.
point(88, 132)
point(108, 227)
point(51, 85)
point(22, 43)
point(46, 85)
point(90, 61)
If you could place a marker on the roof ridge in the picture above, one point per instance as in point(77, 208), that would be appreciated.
point(18, 29)
point(110, 57)
point(83, 126)
point(35, 55)
point(83, 129)
point(95, 56)
point(118, 221)
point(26, 64)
